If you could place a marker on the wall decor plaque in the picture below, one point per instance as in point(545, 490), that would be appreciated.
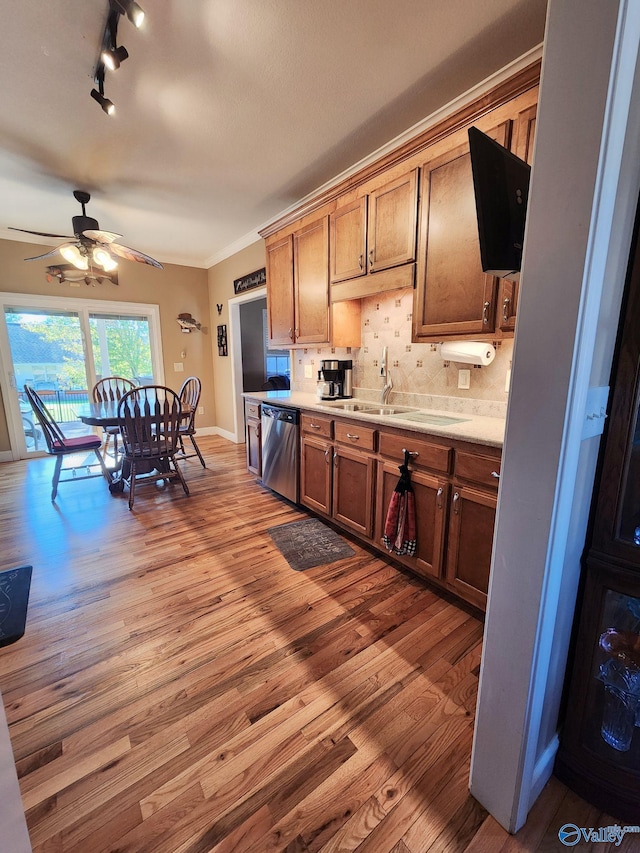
point(248, 282)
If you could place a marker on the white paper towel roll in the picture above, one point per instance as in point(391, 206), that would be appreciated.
point(468, 352)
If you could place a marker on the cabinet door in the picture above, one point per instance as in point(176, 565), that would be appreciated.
point(523, 147)
point(280, 292)
point(311, 283)
point(348, 240)
point(391, 230)
point(431, 500)
point(353, 481)
point(316, 474)
point(471, 523)
point(254, 447)
point(453, 296)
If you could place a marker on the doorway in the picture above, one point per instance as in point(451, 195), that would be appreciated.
point(61, 347)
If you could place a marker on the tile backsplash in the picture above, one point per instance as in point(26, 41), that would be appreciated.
point(417, 370)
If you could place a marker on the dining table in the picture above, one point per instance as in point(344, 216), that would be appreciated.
point(105, 414)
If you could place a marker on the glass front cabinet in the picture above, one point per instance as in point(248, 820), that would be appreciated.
point(599, 755)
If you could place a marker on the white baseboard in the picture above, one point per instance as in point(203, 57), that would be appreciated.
point(6, 456)
point(543, 769)
point(230, 436)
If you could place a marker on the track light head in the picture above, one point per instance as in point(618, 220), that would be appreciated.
point(113, 57)
point(107, 105)
point(135, 14)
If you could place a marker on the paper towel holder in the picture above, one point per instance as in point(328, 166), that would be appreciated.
point(468, 352)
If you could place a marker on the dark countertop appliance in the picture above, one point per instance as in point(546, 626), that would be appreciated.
point(335, 379)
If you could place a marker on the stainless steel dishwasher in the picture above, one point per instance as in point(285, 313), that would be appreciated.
point(280, 450)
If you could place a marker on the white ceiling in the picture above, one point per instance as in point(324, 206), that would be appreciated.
point(227, 111)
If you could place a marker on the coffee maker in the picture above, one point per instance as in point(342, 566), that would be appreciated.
point(335, 379)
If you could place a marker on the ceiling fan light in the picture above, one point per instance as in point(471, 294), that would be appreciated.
point(107, 106)
point(103, 259)
point(113, 57)
point(73, 255)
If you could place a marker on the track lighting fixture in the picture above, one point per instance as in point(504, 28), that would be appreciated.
point(111, 55)
point(107, 105)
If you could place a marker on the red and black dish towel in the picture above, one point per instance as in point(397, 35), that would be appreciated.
point(400, 524)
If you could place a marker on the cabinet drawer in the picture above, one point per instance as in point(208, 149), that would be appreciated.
point(424, 454)
point(314, 425)
point(478, 469)
point(355, 435)
point(251, 409)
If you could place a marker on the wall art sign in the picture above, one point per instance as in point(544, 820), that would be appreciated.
point(248, 282)
point(222, 340)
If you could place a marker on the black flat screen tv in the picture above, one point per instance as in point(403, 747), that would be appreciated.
point(501, 186)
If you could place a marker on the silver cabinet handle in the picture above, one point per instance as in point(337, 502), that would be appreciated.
point(291, 334)
point(495, 474)
point(361, 261)
point(371, 258)
point(327, 455)
point(315, 426)
point(335, 458)
point(505, 309)
point(297, 332)
point(410, 452)
point(485, 313)
point(456, 498)
point(439, 498)
point(353, 437)
point(257, 429)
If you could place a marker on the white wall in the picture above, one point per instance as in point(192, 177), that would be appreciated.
point(577, 244)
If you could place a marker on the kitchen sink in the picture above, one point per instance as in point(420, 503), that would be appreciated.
point(370, 408)
point(350, 406)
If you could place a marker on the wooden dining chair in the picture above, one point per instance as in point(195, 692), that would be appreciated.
point(189, 398)
point(149, 421)
point(110, 390)
point(59, 445)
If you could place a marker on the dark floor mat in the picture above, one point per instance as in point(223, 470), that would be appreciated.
point(309, 543)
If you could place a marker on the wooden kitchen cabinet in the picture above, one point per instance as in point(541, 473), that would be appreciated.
point(298, 309)
point(522, 147)
point(316, 475)
point(431, 495)
point(353, 482)
point(453, 295)
point(253, 437)
point(372, 235)
point(471, 523)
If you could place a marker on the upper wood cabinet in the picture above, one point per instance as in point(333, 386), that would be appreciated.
point(523, 147)
point(373, 234)
point(298, 307)
point(453, 295)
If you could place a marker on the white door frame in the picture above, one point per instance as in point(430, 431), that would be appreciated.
point(83, 307)
point(235, 346)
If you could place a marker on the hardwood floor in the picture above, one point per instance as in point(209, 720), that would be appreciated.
point(180, 689)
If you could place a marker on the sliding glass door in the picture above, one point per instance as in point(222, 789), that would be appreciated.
point(61, 347)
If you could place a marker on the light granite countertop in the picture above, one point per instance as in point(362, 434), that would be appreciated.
point(464, 426)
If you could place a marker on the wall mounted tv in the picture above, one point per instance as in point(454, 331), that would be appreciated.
point(501, 186)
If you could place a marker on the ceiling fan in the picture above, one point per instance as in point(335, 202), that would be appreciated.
point(89, 246)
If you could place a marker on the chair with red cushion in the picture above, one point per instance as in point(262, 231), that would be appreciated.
point(59, 446)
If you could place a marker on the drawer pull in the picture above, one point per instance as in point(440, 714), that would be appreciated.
point(315, 426)
point(495, 474)
point(456, 498)
point(353, 437)
point(327, 454)
point(335, 458)
point(439, 498)
point(410, 452)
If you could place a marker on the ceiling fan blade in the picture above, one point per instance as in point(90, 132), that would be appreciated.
point(101, 236)
point(133, 255)
point(41, 233)
point(46, 255)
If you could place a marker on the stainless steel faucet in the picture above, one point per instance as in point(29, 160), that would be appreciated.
point(386, 374)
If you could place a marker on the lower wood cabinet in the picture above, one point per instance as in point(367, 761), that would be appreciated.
point(471, 523)
point(349, 472)
point(253, 437)
point(431, 496)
